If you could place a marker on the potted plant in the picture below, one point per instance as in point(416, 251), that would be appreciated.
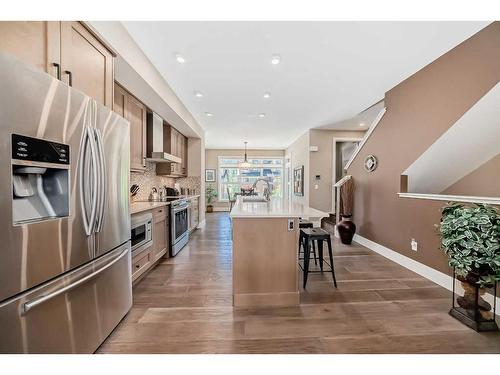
point(470, 237)
point(210, 195)
point(346, 227)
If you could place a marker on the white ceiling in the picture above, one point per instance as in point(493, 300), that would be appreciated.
point(329, 71)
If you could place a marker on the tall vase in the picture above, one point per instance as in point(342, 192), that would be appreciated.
point(346, 229)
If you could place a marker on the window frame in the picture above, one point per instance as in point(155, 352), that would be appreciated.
point(261, 166)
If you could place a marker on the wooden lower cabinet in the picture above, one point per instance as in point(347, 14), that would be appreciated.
point(160, 233)
point(145, 260)
point(194, 213)
point(141, 263)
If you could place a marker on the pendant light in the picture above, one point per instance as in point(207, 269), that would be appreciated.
point(245, 163)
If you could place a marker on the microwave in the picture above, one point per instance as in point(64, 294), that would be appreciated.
point(141, 233)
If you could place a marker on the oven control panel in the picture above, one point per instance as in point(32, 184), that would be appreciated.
point(41, 150)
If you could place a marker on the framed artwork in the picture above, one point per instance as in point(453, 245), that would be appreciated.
point(298, 181)
point(209, 175)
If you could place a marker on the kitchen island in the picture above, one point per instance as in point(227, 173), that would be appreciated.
point(265, 251)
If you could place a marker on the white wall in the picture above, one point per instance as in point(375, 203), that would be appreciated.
point(300, 157)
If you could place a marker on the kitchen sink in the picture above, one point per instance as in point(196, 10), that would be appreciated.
point(254, 199)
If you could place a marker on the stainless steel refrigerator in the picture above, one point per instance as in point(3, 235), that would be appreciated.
point(65, 267)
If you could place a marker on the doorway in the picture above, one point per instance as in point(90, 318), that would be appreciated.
point(343, 150)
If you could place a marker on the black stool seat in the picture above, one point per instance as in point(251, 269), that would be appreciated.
point(305, 223)
point(317, 233)
point(310, 236)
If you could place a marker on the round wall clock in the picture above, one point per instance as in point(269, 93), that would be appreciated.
point(370, 163)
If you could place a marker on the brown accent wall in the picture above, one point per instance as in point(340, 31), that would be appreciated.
point(484, 181)
point(419, 110)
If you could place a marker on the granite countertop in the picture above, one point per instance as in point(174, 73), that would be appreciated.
point(136, 207)
point(141, 206)
point(277, 207)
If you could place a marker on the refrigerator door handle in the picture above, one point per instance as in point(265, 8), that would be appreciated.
point(83, 181)
point(95, 179)
point(102, 185)
point(43, 298)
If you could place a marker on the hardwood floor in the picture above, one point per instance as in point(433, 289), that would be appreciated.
point(184, 305)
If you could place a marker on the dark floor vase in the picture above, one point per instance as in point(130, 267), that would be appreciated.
point(346, 229)
point(470, 307)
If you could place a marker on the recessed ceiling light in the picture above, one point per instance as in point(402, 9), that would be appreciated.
point(198, 94)
point(267, 95)
point(262, 115)
point(361, 124)
point(276, 59)
point(209, 114)
point(180, 59)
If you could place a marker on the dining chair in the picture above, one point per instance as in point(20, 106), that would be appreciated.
point(231, 200)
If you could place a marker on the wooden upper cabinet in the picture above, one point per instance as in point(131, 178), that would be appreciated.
point(33, 42)
point(127, 106)
point(87, 64)
point(184, 155)
point(66, 50)
point(136, 113)
point(176, 144)
point(120, 100)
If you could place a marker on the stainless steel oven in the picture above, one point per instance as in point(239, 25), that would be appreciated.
point(140, 233)
point(179, 223)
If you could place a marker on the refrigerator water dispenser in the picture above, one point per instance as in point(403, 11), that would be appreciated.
point(40, 180)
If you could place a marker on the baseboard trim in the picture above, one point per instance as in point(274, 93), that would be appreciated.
point(201, 224)
point(429, 273)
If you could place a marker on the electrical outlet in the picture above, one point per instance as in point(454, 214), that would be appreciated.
point(414, 244)
point(290, 224)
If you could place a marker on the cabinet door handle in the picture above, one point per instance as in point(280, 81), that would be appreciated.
point(58, 70)
point(70, 77)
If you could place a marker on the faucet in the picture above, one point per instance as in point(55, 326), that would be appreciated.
point(267, 191)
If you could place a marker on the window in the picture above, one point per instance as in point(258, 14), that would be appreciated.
point(232, 177)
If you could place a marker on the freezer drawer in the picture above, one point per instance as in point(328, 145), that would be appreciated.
point(71, 314)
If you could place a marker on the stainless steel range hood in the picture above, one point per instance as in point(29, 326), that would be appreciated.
point(155, 150)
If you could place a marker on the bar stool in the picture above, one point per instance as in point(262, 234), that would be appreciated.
point(309, 236)
point(306, 224)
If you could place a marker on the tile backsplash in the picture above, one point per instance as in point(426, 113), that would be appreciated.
point(193, 183)
point(149, 179)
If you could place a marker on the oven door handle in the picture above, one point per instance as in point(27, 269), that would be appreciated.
point(180, 208)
